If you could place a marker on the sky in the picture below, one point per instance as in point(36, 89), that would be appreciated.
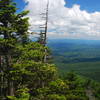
point(75, 19)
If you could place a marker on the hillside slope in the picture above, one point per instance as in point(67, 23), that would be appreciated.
point(82, 56)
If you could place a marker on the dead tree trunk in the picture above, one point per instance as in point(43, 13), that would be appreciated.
point(43, 33)
point(10, 87)
point(2, 79)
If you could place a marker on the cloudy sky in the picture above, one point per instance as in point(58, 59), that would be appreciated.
point(75, 19)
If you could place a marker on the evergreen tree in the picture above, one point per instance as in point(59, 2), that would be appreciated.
point(21, 64)
point(9, 37)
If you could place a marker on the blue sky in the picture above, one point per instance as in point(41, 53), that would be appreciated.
point(68, 18)
point(88, 5)
point(20, 4)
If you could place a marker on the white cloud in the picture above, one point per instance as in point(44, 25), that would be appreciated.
point(64, 22)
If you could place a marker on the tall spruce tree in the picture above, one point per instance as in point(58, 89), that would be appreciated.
point(21, 63)
point(13, 30)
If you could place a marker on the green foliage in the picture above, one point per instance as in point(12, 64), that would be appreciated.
point(13, 25)
point(59, 87)
point(11, 98)
point(22, 94)
point(33, 51)
point(71, 76)
point(96, 89)
point(43, 91)
point(7, 46)
point(28, 68)
point(74, 97)
point(55, 97)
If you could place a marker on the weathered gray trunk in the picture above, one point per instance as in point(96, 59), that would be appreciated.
point(2, 81)
point(10, 87)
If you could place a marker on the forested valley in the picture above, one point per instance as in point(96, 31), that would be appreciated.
point(24, 74)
